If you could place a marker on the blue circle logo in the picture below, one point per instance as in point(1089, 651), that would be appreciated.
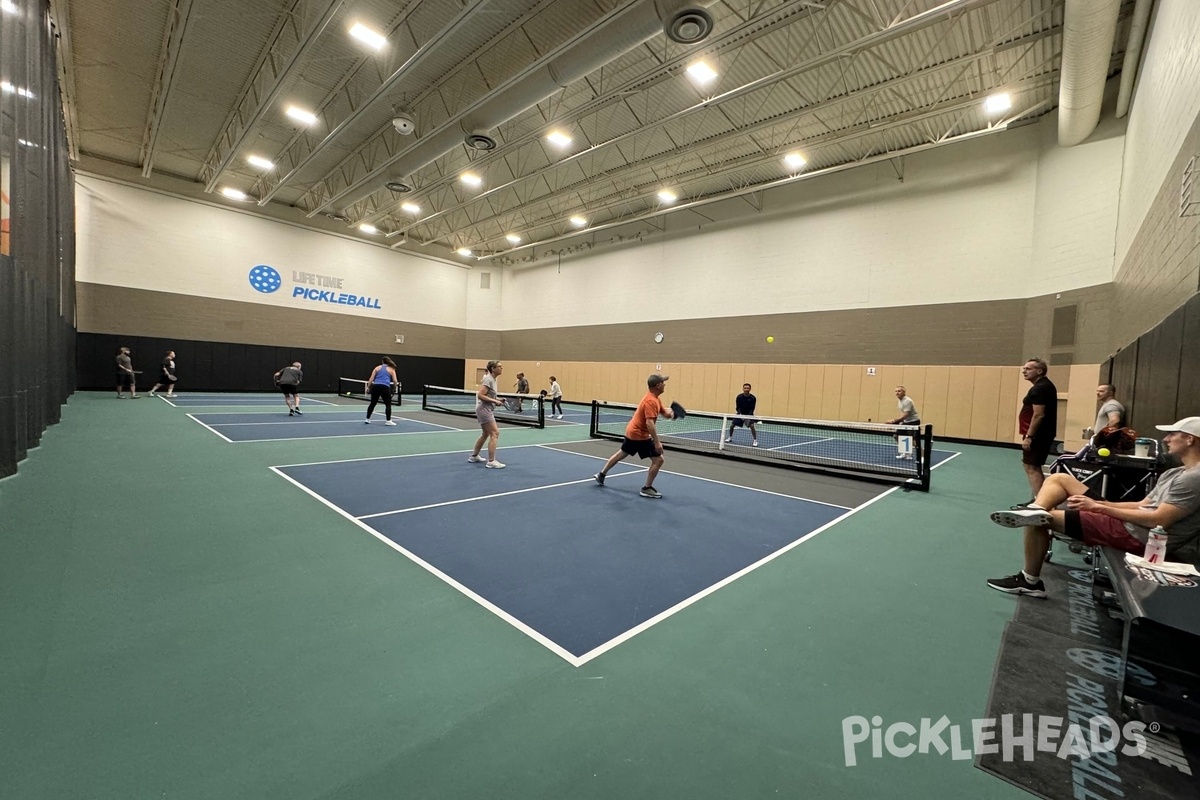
point(265, 279)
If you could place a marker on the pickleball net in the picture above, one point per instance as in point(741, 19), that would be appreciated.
point(893, 453)
point(361, 390)
point(518, 409)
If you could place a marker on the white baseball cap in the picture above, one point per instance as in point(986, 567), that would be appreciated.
point(1189, 425)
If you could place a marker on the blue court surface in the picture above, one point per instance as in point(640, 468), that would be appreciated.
point(250, 400)
point(267, 427)
point(577, 566)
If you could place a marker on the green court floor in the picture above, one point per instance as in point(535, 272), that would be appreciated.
point(178, 621)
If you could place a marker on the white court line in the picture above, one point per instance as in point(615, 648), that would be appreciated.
point(549, 644)
point(317, 420)
point(500, 494)
point(402, 455)
point(346, 436)
point(629, 634)
point(799, 444)
point(192, 417)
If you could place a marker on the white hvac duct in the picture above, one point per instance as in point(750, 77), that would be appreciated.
point(1089, 27)
point(1133, 54)
point(619, 35)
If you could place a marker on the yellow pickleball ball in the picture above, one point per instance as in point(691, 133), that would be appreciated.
point(770, 339)
point(1104, 452)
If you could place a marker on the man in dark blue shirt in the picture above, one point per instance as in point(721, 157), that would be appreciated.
point(745, 403)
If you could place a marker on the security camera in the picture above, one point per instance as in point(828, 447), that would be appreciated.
point(404, 124)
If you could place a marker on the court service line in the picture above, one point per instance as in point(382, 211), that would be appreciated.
point(709, 480)
point(317, 419)
point(345, 436)
point(800, 444)
point(635, 470)
point(499, 612)
point(213, 430)
point(402, 455)
point(634, 631)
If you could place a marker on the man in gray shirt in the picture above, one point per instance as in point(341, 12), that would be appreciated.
point(1173, 504)
point(288, 380)
point(908, 416)
point(1110, 414)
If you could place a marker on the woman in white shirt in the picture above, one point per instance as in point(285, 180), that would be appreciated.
point(485, 403)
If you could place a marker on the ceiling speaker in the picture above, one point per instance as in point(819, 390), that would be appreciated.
point(688, 25)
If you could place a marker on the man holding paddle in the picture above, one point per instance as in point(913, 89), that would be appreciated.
point(641, 436)
point(126, 377)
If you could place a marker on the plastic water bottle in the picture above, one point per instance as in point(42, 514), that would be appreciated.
point(1156, 546)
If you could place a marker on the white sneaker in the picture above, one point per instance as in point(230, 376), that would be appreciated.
point(390, 422)
point(729, 438)
point(754, 443)
point(494, 465)
point(900, 456)
point(367, 421)
point(152, 393)
point(559, 416)
point(475, 459)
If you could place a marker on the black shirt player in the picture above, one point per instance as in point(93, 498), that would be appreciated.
point(744, 403)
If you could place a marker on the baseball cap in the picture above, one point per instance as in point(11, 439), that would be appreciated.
point(1189, 425)
point(655, 380)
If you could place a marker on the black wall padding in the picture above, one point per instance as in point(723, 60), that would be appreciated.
point(1156, 384)
point(37, 242)
point(226, 367)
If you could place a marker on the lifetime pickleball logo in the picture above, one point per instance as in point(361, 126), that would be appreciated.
point(265, 279)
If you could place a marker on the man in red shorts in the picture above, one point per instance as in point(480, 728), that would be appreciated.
point(1174, 503)
point(641, 436)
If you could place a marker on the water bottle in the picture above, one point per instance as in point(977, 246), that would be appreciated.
point(1156, 546)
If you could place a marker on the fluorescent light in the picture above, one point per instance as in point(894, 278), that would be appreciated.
point(260, 162)
point(300, 115)
point(233, 194)
point(8, 7)
point(578, 221)
point(795, 160)
point(701, 72)
point(471, 179)
point(367, 36)
point(8, 88)
point(367, 227)
point(463, 251)
point(997, 103)
point(513, 238)
point(667, 196)
point(411, 208)
point(558, 138)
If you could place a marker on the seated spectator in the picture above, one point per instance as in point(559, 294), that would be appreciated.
point(1174, 504)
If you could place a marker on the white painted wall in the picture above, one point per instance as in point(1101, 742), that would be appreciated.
point(139, 239)
point(1005, 216)
point(1165, 106)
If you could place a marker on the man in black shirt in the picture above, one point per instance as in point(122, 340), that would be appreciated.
point(1038, 421)
point(744, 403)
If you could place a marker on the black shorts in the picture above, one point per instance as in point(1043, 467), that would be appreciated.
point(124, 380)
point(289, 388)
point(642, 448)
point(738, 422)
point(1037, 453)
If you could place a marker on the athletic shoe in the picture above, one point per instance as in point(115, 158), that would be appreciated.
point(389, 422)
point(494, 465)
point(599, 476)
point(475, 459)
point(298, 413)
point(651, 492)
point(152, 393)
point(754, 443)
point(900, 456)
point(1016, 584)
point(1026, 505)
point(729, 438)
point(367, 421)
point(559, 416)
point(291, 413)
point(1026, 518)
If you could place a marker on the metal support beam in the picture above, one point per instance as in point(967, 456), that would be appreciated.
point(178, 19)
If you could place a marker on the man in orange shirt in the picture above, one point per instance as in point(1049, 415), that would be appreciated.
point(641, 436)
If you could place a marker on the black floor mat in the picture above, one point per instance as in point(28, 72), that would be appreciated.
point(1060, 657)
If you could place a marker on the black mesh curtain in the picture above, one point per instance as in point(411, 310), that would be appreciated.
point(37, 234)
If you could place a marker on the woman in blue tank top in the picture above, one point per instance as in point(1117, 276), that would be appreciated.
point(382, 379)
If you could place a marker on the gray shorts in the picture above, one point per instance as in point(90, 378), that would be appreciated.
point(485, 415)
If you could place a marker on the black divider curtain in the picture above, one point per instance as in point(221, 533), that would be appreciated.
point(37, 235)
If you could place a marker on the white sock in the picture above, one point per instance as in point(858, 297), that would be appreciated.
point(1030, 578)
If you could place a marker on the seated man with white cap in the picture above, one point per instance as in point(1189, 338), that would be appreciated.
point(1174, 504)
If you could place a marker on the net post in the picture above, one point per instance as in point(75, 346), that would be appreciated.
point(721, 433)
point(425, 397)
point(594, 425)
point(541, 410)
point(925, 464)
point(398, 393)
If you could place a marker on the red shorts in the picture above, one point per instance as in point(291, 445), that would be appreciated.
point(1101, 530)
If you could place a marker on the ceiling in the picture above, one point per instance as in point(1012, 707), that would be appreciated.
point(179, 93)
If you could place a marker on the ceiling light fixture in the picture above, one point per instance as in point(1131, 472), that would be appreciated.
point(997, 103)
point(558, 138)
point(513, 238)
point(667, 196)
point(471, 179)
point(8, 7)
point(411, 208)
point(233, 194)
point(463, 251)
point(578, 221)
point(260, 162)
point(399, 187)
point(301, 116)
point(795, 160)
point(701, 72)
point(372, 39)
point(367, 227)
